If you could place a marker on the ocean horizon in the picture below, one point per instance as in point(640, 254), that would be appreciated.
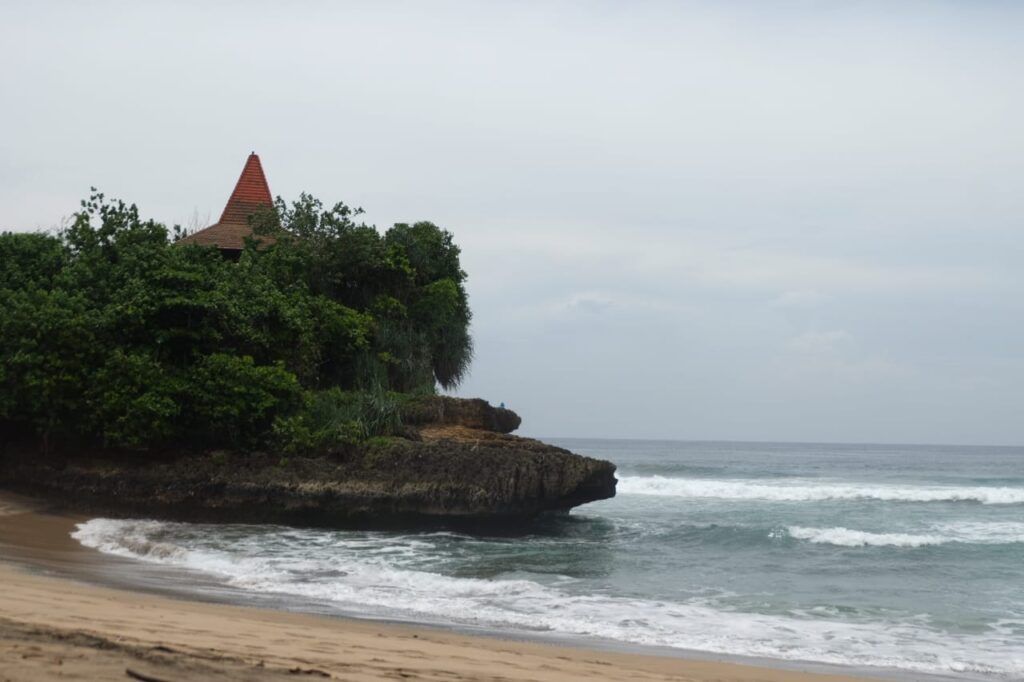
point(902, 559)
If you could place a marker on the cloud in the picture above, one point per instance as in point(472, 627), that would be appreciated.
point(799, 299)
point(678, 219)
point(588, 303)
point(619, 303)
point(687, 257)
point(820, 342)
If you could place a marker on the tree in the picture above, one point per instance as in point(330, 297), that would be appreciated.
point(115, 334)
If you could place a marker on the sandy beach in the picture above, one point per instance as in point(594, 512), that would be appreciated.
point(60, 628)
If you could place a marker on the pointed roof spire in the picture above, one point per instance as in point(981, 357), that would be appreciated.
point(251, 193)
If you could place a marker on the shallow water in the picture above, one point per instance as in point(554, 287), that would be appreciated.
point(896, 557)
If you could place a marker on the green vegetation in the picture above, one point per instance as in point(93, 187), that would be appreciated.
point(112, 335)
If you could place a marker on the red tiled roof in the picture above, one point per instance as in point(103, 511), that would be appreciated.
point(250, 195)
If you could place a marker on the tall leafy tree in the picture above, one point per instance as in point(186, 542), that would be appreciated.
point(115, 334)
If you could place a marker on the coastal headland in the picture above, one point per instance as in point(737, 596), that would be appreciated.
point(283, 365)
point(56, 626)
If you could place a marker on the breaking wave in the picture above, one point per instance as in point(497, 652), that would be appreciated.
point(810, 491)
point(984, 533)
point(383, 576)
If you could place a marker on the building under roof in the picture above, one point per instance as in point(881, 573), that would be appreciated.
point(250, 196)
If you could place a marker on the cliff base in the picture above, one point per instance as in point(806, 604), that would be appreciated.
point(453, 463)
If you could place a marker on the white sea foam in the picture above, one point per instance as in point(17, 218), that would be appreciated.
point(845, 537)
point(968, 532)
point(812, 491)
point(378, 576)
point(128, 539)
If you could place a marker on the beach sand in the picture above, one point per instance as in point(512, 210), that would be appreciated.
point(53, 627)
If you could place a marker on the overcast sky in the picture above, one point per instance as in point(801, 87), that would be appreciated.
point(709, 220)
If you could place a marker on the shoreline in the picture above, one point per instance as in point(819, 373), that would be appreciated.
point(58, 609)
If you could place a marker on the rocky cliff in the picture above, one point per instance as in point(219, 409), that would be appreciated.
point(471, 414)
point(454, 462)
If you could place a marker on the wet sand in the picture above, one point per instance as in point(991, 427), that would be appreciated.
point(55, 624)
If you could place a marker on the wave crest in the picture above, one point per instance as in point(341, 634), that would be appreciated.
point(983, 533)
point(845, 537)
point(127, 539)
point(366, 575)
point(810, 491)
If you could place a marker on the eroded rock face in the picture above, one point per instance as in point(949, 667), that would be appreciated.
point(452, 470)
point(470, 413)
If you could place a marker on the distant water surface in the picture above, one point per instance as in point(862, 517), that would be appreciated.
point(886, 557)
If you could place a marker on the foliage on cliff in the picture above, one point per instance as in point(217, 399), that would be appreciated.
point(112, 334)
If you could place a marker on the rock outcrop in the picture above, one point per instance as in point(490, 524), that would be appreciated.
point(472, 414)
point(458, 464)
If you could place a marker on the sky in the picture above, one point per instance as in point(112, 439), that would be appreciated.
point(787, 221)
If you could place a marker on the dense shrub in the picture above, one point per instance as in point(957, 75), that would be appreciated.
point(334, 418)
point(113, 334)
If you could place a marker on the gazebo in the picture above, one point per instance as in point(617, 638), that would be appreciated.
point(229, 233)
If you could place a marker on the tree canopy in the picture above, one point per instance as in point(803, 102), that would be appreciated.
point(113, 334)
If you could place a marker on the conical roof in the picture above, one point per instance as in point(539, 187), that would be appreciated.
point(250, 195)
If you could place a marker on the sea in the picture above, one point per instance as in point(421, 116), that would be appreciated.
point(905, 560)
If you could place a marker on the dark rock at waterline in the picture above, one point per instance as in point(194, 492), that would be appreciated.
point(449, 473)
